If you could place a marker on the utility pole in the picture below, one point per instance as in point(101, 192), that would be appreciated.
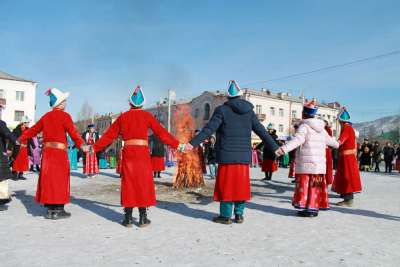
point(171, 97)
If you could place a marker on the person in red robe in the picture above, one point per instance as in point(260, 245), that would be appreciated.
point(53, 188)
point(137, 184)
point(20, 159)
point(91, 162)
point(347, 177)
point(233, 123)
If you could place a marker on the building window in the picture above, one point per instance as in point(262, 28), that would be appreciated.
point(196, 113)
point(258, 109)
point(207, 111)
point(281, 128)
point(1, 93)
point(329, 117)
point(18, 115)
point(272, 111)
point(294, 114)
point(20, 95)
point(281, 112)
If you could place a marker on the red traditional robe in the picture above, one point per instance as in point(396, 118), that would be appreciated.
point(21, 162)
point(91, 166)
point(137, 185)
point(329, 160)
point(232, 183)
point(347, 177)
point(54, 179)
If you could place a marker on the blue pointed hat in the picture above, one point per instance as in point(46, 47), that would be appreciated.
point(310, 108)
point(234, 89)
point(137, 98)
point(270, 126)
point(344, 115)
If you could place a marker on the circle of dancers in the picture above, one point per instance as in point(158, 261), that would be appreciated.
point(232, 123)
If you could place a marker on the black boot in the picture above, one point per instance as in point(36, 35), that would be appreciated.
point(15, 176)
point(306, 213)
point(3, 203)
point(143, 221)
point(269, 176)
point(239, 218)
point(21, 176)
point(159, 174)
point(128, 220)
point(155, 174)
point(56, 212)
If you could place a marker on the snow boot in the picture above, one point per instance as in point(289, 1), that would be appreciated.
point(143, 221)
point(222, 220)
point(128, 220)
point(345, 203)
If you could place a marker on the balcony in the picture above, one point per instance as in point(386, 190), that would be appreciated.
point(261, 117)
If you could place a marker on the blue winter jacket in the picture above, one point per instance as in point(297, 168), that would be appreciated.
point(233, 122)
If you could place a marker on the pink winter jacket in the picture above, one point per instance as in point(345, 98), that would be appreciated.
point(312, 139)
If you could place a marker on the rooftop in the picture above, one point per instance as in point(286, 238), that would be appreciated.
point(6, 76)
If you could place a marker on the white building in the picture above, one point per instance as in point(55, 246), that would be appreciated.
point(18, 96)
point(280, 109)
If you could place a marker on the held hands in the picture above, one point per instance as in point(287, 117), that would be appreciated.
point(86, 148)
point(279, 152)
point(183, 148)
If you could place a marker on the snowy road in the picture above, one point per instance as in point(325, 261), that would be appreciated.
point(183, 235)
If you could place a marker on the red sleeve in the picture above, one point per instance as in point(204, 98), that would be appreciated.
point(31, 132)
point(344, 135)
point(109, 136)
point(162, 133)
point(73, 132)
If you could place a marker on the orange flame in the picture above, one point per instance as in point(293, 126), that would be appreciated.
point(189, 172)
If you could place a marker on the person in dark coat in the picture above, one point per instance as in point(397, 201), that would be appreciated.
point(157, 156)
point(376, 155)
point(365, 155)
point(233, 123)
point(5, 172)
point(269, 164)
point(388, 155)
point(210, 154)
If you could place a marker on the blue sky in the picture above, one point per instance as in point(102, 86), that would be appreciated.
point(99, 50)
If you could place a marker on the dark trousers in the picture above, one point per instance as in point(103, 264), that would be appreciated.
point(377, 166)
point(388, 166)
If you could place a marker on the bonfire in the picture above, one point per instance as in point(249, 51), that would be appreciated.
point(189, 173)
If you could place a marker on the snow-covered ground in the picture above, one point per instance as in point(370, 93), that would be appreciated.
point(183, 235)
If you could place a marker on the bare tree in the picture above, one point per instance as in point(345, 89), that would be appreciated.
point(85, 116)
point(86, 112)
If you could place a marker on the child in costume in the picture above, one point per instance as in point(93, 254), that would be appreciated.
point(91, 161)
point(137, 184)
point(310, 194)
point(233, 123)
point(53, 189)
